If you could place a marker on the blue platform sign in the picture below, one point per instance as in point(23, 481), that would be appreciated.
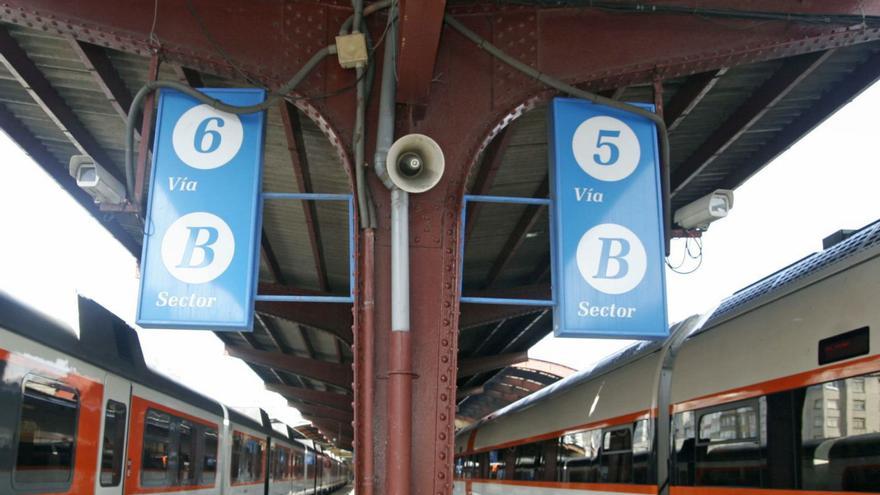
point(609, 248)
point(201, 238)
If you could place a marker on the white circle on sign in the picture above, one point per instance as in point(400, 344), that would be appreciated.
point(606, 148)
point(611, 258)
point(197, 248)
point(206, 138)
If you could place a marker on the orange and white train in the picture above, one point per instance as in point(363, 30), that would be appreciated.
point(84, 415)
point(775, 392)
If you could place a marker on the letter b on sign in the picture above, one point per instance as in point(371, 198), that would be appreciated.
point(197, 248)
point(611, 258)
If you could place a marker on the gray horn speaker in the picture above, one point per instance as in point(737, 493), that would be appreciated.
point(415, 163)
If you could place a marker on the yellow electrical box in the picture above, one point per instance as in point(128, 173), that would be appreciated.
point(351, 50)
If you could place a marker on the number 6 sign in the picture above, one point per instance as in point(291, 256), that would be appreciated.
point(201, 243)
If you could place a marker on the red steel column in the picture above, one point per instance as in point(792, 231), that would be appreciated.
point(400, 370)
point(367, 373)
point(399, 448)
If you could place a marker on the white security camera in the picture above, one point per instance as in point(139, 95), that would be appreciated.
point(96, 180)
point(702, 212)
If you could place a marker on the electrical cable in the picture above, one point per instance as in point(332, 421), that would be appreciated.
point(586, 95)
point(648, 8)
point(687, 253)
point(151, 86)
point(358, 141)
point(216, 46)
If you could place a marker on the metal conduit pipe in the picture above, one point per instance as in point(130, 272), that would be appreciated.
point(365, 211)
point(662, 397)
point(398, 466)
point(564, 87)
point(214, 103)
point(368, 10)
point(387, 94)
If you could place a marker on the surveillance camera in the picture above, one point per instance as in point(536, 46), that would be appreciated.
point(702, 212)
point(96, 180)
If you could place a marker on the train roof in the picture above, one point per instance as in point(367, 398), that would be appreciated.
point(859, 245)
point(105, 341)
point(607, 365)
point(244, 417)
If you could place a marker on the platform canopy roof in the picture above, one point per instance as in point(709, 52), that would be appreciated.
point(67, 81)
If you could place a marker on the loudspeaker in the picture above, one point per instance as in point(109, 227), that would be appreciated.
point(415, 163)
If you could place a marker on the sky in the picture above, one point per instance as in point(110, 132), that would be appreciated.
point(54, 249)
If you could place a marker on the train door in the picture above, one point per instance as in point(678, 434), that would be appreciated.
point(112, 461)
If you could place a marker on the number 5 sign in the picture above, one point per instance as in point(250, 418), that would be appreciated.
point(201, 242)
point(608, 268)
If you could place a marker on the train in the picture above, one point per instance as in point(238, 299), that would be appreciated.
point(81, 413)
point(774, 391)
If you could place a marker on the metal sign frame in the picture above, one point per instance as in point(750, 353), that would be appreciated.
point(349, 199)
point(506, 200)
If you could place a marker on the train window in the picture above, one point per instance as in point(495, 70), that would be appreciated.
point(235, 462)
point(157, 449)
point(209, 456)
point(247, 458)
point(616, 457)
point(740, 423)
point(641, 452)
point(255, 450)
point(186, 452)
point(529, 462)
point(577, 456)
point(112, 451)
point(840, 449)
point(497, 464)
point(683, 444)
point(46, 434)
point(730, 448)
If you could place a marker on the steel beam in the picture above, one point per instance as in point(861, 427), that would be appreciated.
point(141, 173)
point(859, 80)
point(329, 399)
point(477, 315)
point(189, 76)
point(41, 90)
point(689, 95)
point(58, 171)
point(276, 339)
point(526, 221)
point(491, 164)
point(328, 425)
point(462, 392)
point(322, 411)
point(518, 382)
point(269, 255)
point(332, 373)
point(329, 317)
point(472, 366)
point(300, 162)
point(98, 63)
point(307, 341)
point(526, 330)
point(421, 22)
point(252, 341)
point(762, 100)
